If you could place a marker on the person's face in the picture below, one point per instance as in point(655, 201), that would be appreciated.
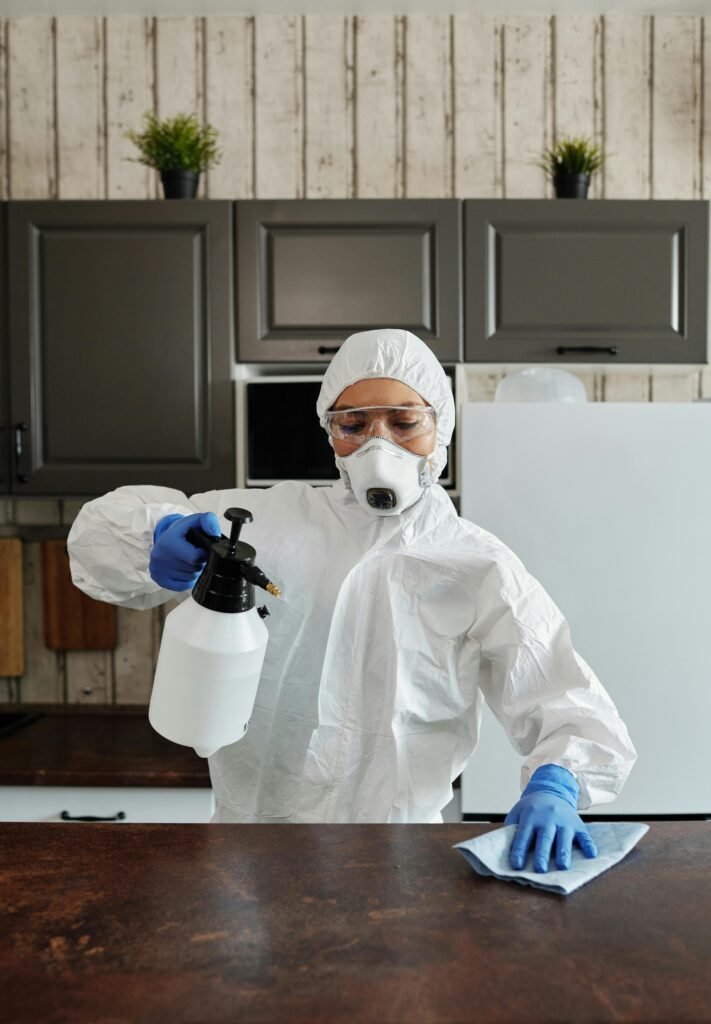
point(382, 391)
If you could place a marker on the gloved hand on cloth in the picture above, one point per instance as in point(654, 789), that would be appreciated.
point(547, 813)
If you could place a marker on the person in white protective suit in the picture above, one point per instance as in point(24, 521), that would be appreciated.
point(398, 618)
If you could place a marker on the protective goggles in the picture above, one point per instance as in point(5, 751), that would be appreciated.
point(401, 423)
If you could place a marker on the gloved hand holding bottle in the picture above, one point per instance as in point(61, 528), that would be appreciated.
point(547, 812)
point(175, 563)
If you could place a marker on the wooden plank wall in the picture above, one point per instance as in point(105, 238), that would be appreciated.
point(329, 107)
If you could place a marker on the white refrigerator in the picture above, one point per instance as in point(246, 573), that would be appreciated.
point(608, 505)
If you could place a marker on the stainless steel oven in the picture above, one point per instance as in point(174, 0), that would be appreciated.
point(284, 439)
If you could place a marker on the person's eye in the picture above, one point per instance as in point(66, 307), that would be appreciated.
point(350, 428)
point(405, 425)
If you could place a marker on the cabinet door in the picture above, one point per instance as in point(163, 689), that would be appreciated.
point(311, 272)
point(121, 341)
point(133, 803)
point(570, 280)
point(5, 431)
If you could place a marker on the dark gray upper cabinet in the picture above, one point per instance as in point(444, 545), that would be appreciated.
point(543, 276)
point(310, 272)
point(121, 345)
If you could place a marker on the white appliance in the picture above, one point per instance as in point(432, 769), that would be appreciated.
point(608, 505)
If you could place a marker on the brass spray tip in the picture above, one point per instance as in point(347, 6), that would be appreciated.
point(256, 576)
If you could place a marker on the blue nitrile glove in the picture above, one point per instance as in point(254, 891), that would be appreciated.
point(547, 811)
point(175, 562)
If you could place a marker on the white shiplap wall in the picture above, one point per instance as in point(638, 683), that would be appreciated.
point(328, 106)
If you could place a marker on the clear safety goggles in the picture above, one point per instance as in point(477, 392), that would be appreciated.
point(401, 423)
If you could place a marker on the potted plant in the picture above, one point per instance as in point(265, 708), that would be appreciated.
point(570, 163)
point(178, 148)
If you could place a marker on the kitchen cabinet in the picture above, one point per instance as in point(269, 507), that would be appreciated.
point(310, 272)
point(97, 762)
point(120, 803)
point(117, 334)
point(120, 345)
point(594, 281)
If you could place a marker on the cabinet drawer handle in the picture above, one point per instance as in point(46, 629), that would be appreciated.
point(21, 477)
point(611, 349)
point(328, 350)
point(66, 816)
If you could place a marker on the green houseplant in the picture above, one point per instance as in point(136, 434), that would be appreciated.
point(179, 148)
point(570, 163)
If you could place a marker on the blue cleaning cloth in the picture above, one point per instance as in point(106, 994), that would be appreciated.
point(489, 855)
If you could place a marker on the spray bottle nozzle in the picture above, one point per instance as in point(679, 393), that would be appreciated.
point(254, 575)
point(238, 517)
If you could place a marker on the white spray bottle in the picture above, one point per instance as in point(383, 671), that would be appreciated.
point(213, 647)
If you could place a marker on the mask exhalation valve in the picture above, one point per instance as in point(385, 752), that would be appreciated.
point(381, 497)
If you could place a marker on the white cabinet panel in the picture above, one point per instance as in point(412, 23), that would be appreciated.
point(138, 803)
point(607, 505)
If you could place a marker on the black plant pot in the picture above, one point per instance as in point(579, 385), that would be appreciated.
point(180, 184)
point(571, 186)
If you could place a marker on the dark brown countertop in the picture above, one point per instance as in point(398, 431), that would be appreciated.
point(98, 746)
point(341, 923)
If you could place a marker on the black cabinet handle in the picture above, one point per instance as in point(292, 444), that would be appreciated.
point(611, 349)
point(66, 816)
point(21, 477)
point(326, 350)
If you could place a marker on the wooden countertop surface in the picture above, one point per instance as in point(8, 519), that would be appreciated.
point(99, 746)
point(113, 924)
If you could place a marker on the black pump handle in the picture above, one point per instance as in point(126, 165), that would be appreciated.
point(238, 517)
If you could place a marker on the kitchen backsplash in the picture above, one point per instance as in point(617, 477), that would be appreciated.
point(339, 107)
point(122, 676)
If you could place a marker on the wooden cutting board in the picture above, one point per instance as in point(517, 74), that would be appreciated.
point(72, 620)
point(12, 647)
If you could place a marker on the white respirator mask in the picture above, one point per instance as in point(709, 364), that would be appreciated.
point(385, 478)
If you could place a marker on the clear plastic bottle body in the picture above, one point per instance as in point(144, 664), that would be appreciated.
point(207, 676)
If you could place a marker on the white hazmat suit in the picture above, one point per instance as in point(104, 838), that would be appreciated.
point(390, 633)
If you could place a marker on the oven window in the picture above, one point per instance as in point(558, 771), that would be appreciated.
point(285, 440)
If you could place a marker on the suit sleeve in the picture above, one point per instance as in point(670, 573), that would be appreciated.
point(552, 705)
point(110, 542)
